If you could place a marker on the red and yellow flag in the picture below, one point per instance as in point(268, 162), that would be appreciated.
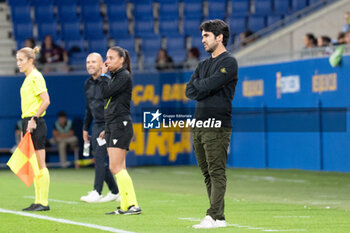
point(23, 161)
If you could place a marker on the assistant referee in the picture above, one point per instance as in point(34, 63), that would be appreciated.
point(34, 102)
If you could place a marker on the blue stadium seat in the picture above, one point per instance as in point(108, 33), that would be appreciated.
point(298, 5)
point(36, 3)
point(44, 13)
point(263, 6)
point(48, 28)
point(281, 6)
point(94, 30)
point(256, 22)
point(119, 28)
point(71, 31)
point(217, 9)
point(98, 46)
point(237, 24)
point(150, 59)
point(78, 59)
point(178, 56)
point(230, 41)
point(88, 2)
point(68, 13)
point(22, 31)
point(193, 8)
point(116, 11)
point(240, 7)
point(168, 26)
point(71, 44)
point(20, 44)
point(133, 58)
point(144, 27)
point(17, 2)
point(191, 26)
point(108, 2)
point(169, 8)
point(152, 43)
point(20, 14)
point(175, 43)
point(143, 9)
point(215, 15)
point(91, 12)
point(313, 2)
point(271, 19)
point(197, 43)
point(126, 43)
point(65, 2)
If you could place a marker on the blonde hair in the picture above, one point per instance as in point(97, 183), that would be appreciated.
point(29, 52)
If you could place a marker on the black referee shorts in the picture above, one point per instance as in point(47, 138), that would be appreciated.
point(119, 133)
point(38, 134)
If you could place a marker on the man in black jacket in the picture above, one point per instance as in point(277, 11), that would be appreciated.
point(213, 85)
point(95, 112)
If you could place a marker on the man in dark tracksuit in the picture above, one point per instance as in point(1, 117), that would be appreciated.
point(95, 111)
point(213, 85)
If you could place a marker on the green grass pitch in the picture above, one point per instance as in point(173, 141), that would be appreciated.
point(174, 198)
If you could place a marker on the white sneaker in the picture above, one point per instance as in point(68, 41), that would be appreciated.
point(207, 222)
point(220, 223)
point(110, 197)
point(92, 196)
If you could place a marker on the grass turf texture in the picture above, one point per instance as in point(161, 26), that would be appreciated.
point(256, 201)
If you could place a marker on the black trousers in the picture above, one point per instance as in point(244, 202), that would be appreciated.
point(102, 171)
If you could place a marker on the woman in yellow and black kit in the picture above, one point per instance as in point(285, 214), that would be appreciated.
point(34, 102)
point(118, 131)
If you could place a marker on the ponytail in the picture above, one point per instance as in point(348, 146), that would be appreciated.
point(36, 49)
point(127, 61)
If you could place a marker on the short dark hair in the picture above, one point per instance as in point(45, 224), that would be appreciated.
point(217, 27)
point(61, 114)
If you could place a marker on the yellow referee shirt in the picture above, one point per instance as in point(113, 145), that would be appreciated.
point(33, 85)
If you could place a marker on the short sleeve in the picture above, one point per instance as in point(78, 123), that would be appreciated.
point(39, 85)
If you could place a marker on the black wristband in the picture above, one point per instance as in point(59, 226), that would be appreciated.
point(35, 118)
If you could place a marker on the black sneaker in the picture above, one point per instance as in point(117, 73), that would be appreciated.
point(40, 207)
point(30, 208)
point(132, 210)
point(117, 211)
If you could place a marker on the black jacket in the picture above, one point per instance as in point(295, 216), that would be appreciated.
point(117, 95)
point(94, 103)
point(213, 85)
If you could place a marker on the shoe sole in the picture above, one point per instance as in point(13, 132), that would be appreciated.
point(90, 201)
point(200, 227)
point(115, 213)
point(102, 201)
point(132, 213)
point(112, 213)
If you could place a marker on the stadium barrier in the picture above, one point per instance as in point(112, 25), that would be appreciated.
point(289, 115)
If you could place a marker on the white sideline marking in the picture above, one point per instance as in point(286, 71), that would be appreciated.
point(182, 173)
point(248, 227)
point(163, 201)
point(191, 219)
point(291, 216)
point(60, 220)
point(323, 202)
point(55, 200)
point(271, 179)
point(294, 230)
